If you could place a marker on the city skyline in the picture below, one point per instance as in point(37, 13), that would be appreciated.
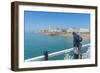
point(35, 20)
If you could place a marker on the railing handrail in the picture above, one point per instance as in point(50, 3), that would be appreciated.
point(53, 54)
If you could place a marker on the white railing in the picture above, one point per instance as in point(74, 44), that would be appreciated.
point(41, 58)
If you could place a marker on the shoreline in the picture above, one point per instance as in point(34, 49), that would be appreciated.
point(84, 35)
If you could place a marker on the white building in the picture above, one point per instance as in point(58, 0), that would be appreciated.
point(78, 30)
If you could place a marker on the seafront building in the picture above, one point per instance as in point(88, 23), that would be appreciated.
point(66, 30)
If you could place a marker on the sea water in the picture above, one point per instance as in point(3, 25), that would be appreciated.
point(35, 44)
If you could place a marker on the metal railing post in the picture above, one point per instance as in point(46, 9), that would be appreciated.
point(45, 55)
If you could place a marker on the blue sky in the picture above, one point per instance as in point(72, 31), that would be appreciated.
point(35, 20)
